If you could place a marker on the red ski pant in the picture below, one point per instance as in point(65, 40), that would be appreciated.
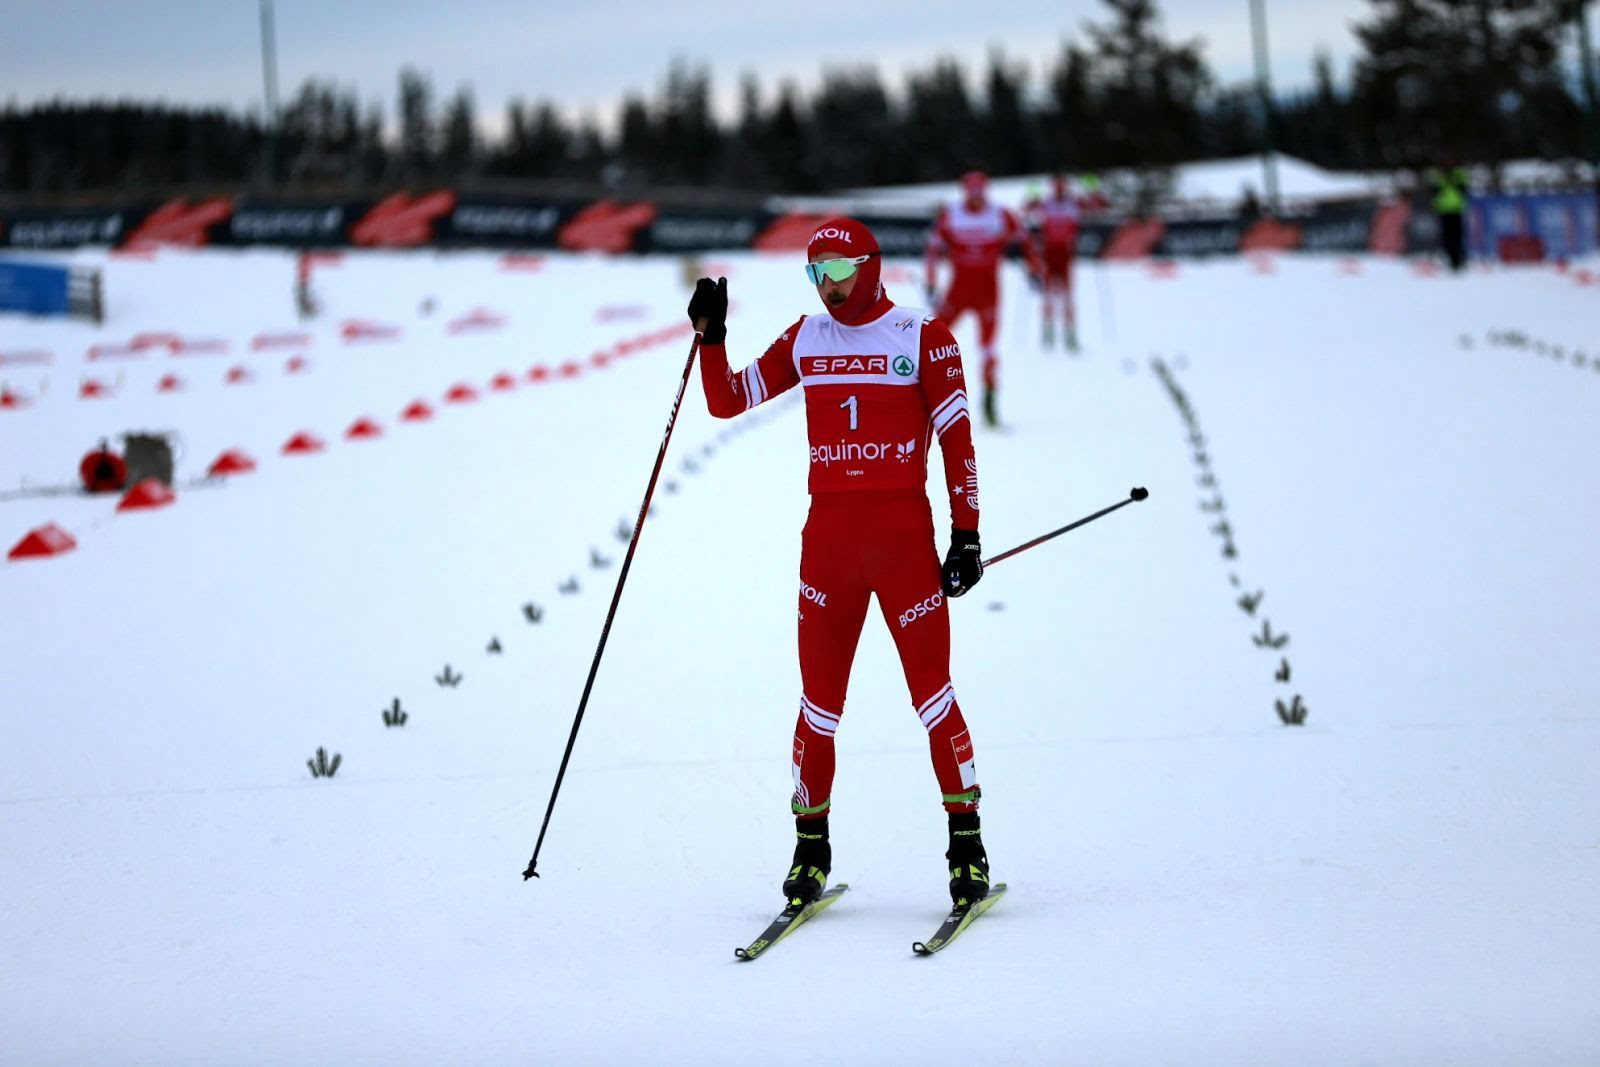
point(986, 305)
point(856, 545)
point(1058, 283)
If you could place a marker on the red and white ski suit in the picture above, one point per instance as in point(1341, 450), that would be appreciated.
point(976, 238)
point(876, 394)
point(1058, 219)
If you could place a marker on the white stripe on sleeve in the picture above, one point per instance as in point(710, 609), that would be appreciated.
point(755, 388)
point(947, 413)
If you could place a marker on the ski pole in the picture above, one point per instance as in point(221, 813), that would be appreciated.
point(616, 596)
point(1108, 316)
point(1138, 493)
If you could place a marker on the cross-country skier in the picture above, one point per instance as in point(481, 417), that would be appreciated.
point(1058, 219)
point(975, 233)
point(880, 382)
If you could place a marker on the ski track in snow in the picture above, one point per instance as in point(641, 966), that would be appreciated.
point(1405, 459)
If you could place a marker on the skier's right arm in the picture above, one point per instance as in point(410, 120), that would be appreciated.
point(728, 394)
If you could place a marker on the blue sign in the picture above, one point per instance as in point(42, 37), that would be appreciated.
point(1564, 223)
point(37, 290)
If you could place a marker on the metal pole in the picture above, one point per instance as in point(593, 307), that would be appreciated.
point(269, 76)
point(616, 598)
point(1269, 165)
point(1138, 492)
point(1586, 57)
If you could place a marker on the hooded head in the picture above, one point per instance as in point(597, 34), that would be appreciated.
point(974, 187)
point(859, 298)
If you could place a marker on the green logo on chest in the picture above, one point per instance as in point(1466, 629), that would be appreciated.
point(903, 366)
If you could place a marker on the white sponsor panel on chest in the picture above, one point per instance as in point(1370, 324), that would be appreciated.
point(883, 352)
point(986, 224)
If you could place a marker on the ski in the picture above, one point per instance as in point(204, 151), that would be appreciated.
point(787, 920)
point(958, 920)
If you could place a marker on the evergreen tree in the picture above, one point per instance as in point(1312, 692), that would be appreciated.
point(747, 162)
point(942, 126)
point(686, 128)
point(787, 138)
point(636, 147)
point(417, 134)
point(1464, 79)
point(458, 155)
point(1012, 141)
point(1315, 124)
point(853, 130)
point(1071, 135)
point(1148, 92)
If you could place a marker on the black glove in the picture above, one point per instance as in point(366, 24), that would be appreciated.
point(963, 564)
point(710, 303)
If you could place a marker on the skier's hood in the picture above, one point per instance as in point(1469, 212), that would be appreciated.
point(850, 238)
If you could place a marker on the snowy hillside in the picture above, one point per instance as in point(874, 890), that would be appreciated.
point(1217, 184)
point(1378, 483)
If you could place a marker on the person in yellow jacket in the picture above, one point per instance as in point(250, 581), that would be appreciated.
point(1450, 205)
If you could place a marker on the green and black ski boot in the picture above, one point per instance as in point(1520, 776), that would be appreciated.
point(968, 865)
point(813, 859)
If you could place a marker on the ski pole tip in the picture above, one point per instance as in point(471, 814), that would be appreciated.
point(1138, 492)
point(529, 873)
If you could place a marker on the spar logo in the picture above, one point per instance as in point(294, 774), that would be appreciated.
point(904, 367)
point(917, 611)
point(850, 452)
point(824, 366)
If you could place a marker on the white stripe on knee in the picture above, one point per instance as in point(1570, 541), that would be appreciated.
point(823, 722)
point(932, 712)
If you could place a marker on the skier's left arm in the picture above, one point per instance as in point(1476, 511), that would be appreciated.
point(944, 386)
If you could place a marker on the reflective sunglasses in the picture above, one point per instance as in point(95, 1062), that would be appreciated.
point(836, 269)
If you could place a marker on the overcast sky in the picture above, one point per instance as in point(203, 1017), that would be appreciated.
point(585, 55)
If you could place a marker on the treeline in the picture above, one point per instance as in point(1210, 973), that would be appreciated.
point(1471, 80)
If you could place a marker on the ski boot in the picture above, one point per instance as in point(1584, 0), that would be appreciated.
point(1049, 335)
point(1072, 338)
point(813, 859)
point(969, 866)
point(990, 419)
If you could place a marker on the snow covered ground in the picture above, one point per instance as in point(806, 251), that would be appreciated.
point(1214, 185)
point(1404, 468)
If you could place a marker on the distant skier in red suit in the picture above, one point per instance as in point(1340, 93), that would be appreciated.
point(1058, 219)
point(975, 234)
